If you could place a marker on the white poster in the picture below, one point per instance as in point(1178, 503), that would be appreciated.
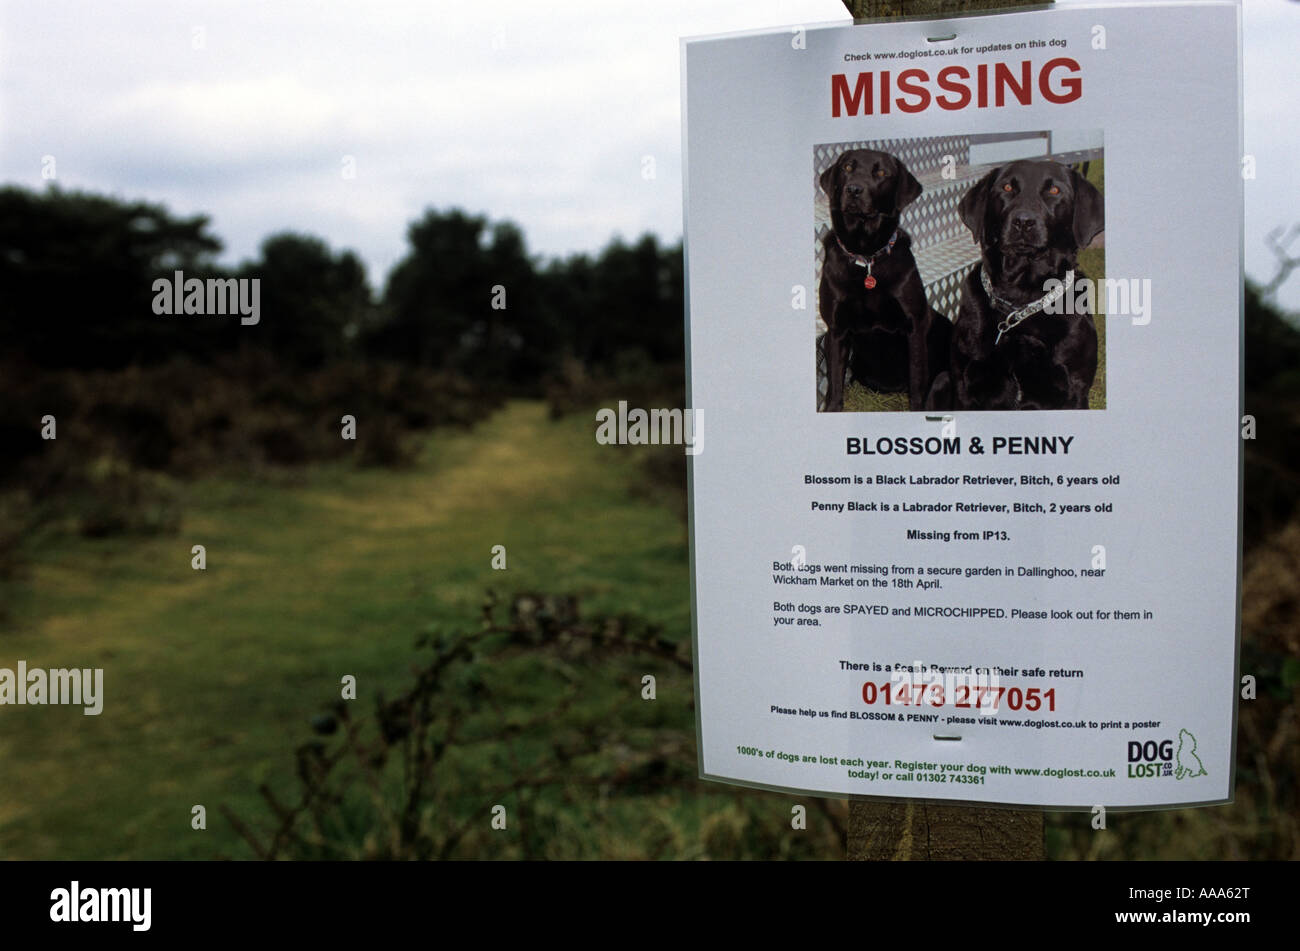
point(965, 321)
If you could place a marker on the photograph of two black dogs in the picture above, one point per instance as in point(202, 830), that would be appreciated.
point(950, 273)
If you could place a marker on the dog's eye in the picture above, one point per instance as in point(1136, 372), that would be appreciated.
point(880, 173)
point(1054, 190)
point(1007, 187)
point(850, 166)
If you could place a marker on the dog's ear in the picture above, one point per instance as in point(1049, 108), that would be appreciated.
point(974, 202)
point(907, 190)
point(1089, 210)
point(828, 177)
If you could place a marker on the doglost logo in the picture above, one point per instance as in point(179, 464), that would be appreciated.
point(1156, 758)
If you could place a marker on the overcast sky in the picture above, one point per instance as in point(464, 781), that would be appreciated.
point(537, 112)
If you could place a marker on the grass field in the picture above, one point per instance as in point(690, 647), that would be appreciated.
point(211, 676)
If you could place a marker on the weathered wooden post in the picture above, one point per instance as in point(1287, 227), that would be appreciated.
point(913, 830)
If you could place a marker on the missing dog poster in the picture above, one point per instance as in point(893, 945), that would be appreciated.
point(965, 319)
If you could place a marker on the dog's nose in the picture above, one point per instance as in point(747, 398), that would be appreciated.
point(1024, 222)
point(854, 190)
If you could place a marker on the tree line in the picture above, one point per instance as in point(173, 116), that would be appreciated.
point(77, 273)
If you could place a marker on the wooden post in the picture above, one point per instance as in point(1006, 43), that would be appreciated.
point(914, 831)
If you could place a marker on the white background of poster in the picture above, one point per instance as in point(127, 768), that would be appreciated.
point(1166, 93)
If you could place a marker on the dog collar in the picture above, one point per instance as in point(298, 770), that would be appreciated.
point(1018, 316)
point(864, 260)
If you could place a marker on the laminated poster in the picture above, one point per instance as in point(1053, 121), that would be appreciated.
point(964, 315)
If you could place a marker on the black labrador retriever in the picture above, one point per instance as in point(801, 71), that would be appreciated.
point(877, 318)
point(1030, 219)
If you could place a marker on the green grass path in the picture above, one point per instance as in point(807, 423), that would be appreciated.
point(211, 676)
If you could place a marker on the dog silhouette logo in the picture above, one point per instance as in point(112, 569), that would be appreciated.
point(1189, 765)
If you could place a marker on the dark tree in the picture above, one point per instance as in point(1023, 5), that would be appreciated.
point(312, 300)
point(76, 276)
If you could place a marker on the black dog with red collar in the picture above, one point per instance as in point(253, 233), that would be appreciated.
point(878, 321)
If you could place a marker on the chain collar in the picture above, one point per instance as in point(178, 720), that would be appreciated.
point(866, 260)
point(1015, 317)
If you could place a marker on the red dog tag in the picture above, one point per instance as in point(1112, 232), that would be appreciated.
point(868, 282)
